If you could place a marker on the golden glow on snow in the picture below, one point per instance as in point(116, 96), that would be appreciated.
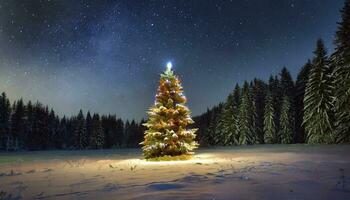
point(204, 158)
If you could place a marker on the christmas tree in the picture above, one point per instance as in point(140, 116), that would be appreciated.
point(166, 133)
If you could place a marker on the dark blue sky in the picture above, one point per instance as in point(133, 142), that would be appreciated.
point(106, 56)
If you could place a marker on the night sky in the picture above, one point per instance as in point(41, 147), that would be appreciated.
point(106, 56)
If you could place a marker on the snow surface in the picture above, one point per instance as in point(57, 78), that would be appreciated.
point(249, 172)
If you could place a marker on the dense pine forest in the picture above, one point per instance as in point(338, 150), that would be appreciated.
point(314, 108)
point(35, 127)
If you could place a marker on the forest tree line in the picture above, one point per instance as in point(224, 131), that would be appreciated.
point(35, 127)
point(315, 108)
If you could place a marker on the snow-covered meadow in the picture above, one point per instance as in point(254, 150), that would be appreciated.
point(248, 172)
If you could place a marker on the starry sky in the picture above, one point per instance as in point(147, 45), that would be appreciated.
point(106, 56)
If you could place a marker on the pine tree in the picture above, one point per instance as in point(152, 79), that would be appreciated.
point(88, 128)
point(318, 99)
point(287, 121)
point(287, 84)
point(300, 86)
point(215, 134)
point(253, 113)
point(246, 117)
point(119, 131)
point(219, 127)
point(126, 133)
point(276, 92)
point(71, 137)
point(5, 114)
point(39, 134)
point(79, 131)
point(166, 132)
point(234, 137)
point(200, 123)
point(45, 132)
point(269, 121)
point(228, 120)
point(63, 133)
point(29, 124)
point(139, 133)
point(34, 136)
point(232, 119)
point(109, 125)
point(288, 90)
point(53, 125)
point(342, 39)
point(18, 125)
point(259, 93)
point(210, 131)
point(341, 74)
point(132, 136)
point(97, 136)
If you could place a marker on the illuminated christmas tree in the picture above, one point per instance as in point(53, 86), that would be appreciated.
point(166, 133)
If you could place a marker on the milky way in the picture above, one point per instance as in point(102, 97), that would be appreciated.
point(106, 56)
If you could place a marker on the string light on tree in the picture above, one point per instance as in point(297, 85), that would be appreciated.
point(166, 133)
